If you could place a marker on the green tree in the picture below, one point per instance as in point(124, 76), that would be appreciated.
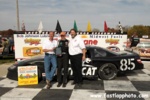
point(140, 30)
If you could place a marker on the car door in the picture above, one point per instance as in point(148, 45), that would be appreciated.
point(88, 70)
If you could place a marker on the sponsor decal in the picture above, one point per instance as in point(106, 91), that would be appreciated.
point(90, 42)
point(112, 41)
point(88, 60)
point(106, 36)
point(86, 71)
point(27, 75)
point(99, 36)
point(31, 41)
point(32, 51)
point(84, 36)
point(116, 36)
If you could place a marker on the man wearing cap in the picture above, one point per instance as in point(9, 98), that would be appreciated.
point(62, 60)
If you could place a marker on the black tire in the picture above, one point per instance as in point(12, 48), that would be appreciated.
point(107, 71)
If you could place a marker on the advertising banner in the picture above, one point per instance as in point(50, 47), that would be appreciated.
point(29, 43)
point(27, 75)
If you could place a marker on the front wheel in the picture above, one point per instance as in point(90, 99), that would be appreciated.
point(107, 71)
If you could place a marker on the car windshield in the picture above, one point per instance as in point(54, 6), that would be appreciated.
point(144, 45)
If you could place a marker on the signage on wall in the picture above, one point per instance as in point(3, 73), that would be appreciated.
point(32, 51)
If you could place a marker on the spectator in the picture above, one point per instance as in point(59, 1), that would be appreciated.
point(134, 40)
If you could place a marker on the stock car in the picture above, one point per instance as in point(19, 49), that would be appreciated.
point(99, 62)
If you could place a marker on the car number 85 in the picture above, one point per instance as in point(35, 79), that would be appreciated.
point(127, 64)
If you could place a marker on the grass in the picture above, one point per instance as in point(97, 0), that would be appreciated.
point(7, 59)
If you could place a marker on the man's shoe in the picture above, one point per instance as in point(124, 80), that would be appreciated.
point(59, 84)
point(64, 85)
point(79, 85)
point(73, 83)
point(48, 84)
point(48, 87)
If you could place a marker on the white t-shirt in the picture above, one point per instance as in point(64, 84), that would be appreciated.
point(47, 44)
point(76, 45)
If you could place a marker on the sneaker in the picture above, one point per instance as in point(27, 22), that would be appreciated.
point(59, 84)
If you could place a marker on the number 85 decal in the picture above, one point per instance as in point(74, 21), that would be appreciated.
point(127, 64)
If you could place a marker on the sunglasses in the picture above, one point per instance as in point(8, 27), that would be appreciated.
point(62, 35)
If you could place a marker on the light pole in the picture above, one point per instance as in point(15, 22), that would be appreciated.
point(17, 8)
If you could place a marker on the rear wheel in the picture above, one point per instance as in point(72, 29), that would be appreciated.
point(107, 71)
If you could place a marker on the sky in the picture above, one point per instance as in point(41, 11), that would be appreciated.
point(31, 12)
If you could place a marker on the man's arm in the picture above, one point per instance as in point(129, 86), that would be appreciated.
point(84, 52)
point(48, 50)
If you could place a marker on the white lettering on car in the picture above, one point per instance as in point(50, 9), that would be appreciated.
point(85, 71)
point(89, 72)
point(127, 64)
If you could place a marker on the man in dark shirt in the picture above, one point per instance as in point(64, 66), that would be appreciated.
point(63, 60)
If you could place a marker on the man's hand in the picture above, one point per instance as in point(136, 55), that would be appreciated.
point(83, 58)
point(48, 50)
point(83, 51)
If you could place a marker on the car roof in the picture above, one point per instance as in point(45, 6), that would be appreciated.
point(102, 48)
point(96, 47)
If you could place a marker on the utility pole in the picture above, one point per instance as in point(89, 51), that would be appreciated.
point(17, 8)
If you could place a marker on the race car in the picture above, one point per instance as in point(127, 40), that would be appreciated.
point(99, 62)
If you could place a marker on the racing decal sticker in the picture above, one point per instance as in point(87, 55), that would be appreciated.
point(90, 42)
point(84, 36)
point(32, 51)
point(32, 41)
point(87, 60)
point(86, 71)
point(112, 41)
point(127, 64)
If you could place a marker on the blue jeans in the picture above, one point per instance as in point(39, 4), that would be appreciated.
point(50, 61)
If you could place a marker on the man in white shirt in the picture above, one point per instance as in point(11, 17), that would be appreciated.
point(49, 46)
point(77, 52)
